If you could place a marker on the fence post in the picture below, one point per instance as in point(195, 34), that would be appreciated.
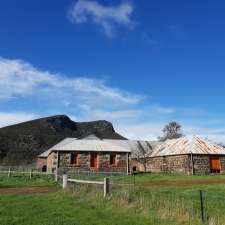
point(106, 186)
point(56, 175)
point(65, 181)
point(30, 173)
point(9, 172)
point(202, 206)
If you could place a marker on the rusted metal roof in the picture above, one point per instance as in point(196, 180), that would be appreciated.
point(134, 145)
point(194, 145)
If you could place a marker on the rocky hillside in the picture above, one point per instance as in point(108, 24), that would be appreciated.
point(21, 143)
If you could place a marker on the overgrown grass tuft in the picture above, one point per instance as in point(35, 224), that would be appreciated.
point(175, 205)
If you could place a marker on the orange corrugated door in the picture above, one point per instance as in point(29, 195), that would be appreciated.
point(215, 164)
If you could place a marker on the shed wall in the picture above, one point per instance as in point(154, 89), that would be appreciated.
point(180, 164)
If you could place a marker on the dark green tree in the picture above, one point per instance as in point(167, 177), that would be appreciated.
point(171, 131)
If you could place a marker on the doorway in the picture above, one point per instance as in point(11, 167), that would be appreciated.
point(215, 164)
point(94, 160)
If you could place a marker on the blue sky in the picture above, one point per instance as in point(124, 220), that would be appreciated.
point(139, 64)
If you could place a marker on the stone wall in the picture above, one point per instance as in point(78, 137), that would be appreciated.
point(180, 164)
point(222, 163)
point(201, 164)
point(169, 164)
point(103, 162)
point(83, 160)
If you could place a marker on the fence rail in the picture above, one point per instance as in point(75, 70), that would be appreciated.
point(105, 183)
point(85, 181)
point(31, 173)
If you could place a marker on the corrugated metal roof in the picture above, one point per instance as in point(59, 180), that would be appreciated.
point(194, 145)
point(97, 145)
point(92, 145)
point(90, 137)
point(61, 143)
point(133, 145)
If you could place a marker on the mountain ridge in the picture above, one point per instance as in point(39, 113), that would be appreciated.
point(22, 142)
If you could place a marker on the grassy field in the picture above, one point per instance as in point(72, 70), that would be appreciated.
point(131, 205)
point(25, 181)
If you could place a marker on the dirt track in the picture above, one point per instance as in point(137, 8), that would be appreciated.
point(28, 190)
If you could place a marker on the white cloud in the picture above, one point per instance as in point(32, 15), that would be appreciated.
point(144, 131)
point(14, 118)
point(117, 114)
point(106, 17)
point(157, 109)
point(152, 130)
point(85, 99)
point(214, 134)
point(18, 78)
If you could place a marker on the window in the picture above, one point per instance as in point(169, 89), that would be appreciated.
point(74, 158)
point(94, 160)
point(112, 159)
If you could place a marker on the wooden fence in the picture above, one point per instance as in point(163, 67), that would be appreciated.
point(105, 183)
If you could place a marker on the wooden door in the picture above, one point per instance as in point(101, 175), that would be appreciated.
point(215, 164)
point(94, 160)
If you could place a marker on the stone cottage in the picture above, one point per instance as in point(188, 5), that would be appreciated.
point(187, 155)
point(88, 154)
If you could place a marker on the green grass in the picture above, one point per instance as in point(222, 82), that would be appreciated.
point(63, 209)
point(133, 205)
point(149, 177)
point(174, 177)
point(25, 181)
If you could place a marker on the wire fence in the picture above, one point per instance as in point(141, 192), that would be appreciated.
point(29, 172)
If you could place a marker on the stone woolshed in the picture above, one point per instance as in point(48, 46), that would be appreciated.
point(187, 155)
point(88, 154)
